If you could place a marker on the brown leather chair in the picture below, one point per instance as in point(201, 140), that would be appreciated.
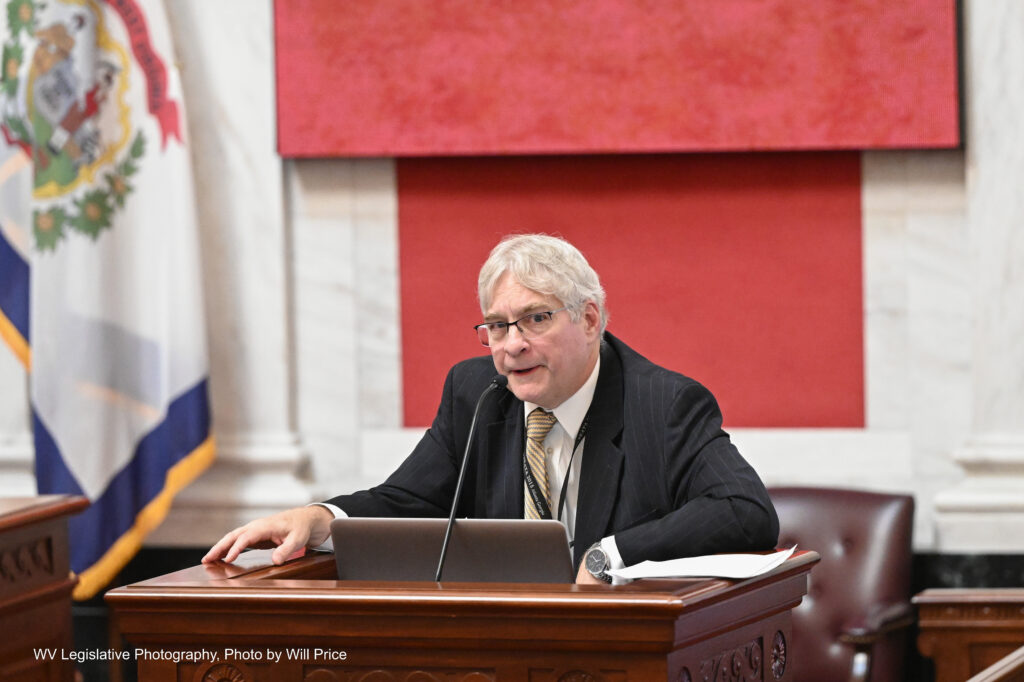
point(852, 623)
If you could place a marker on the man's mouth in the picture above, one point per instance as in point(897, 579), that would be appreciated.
point(523, 372)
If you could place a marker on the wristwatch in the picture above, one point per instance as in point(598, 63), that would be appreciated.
point(597, 563)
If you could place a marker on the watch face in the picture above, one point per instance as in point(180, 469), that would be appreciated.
point(596, 561)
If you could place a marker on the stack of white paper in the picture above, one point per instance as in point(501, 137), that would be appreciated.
point(711, 566)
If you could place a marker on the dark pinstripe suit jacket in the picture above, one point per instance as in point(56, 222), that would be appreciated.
point(658, 471)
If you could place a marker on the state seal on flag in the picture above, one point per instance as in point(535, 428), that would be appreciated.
point(102, 300)
point(66, 99)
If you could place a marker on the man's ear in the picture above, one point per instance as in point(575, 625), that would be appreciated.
point(591, 319)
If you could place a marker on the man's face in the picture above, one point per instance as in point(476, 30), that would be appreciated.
point(545, 369)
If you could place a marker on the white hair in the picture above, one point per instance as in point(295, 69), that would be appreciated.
point(549, 266)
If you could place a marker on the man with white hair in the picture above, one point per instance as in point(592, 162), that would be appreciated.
point(630, 456)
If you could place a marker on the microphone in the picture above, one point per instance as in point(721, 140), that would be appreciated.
point(500, 381)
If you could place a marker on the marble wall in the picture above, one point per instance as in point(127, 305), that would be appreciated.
point(300, 261)
point(917, 337)
point(987, 507)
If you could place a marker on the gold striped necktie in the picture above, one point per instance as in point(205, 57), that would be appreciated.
point(538, 425)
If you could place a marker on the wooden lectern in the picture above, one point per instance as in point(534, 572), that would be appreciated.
point(251, 621)
point(967, 630)
point(35, 587)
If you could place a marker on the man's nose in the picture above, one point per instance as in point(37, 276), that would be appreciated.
point(515, 342)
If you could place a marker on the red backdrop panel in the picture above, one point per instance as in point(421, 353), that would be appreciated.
point(742, 271)
point(401, 78)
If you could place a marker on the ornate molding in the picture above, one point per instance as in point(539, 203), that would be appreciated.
point(994, 450)
point(978, 615)
point(778, 655)
point(348, 674)
point(221, 672)
point(742, 664)
point(26, 561)
point(983, 512)
point(578, 676)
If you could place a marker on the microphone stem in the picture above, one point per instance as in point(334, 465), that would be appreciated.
point(462, 475)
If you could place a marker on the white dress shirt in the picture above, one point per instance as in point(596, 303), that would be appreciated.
point(559, 445)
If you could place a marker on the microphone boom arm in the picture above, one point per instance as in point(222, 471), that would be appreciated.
point(499, 381)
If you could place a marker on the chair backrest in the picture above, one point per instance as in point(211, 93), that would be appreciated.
point(864, 540)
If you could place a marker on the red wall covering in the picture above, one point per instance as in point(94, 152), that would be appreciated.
point(437, 77)
point(742, 271)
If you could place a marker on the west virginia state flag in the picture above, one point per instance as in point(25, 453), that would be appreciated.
point(100, 292)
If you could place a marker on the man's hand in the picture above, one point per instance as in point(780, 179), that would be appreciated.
point(289, 531)
point(583, 577)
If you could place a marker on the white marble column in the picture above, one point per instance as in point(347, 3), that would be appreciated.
point(225, 53)
point(343, 215)
point(986, 511)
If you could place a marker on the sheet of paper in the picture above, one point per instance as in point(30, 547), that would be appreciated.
point(711, 566)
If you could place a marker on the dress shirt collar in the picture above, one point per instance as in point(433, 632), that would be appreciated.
point(571, 413)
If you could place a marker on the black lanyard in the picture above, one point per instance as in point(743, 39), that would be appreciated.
point(534, 488)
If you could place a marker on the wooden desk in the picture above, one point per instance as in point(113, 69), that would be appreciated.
point(35, 586)
point(248, 614)
point(965, 631)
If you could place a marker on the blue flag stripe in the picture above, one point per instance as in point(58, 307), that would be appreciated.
point(114, 513)
point(14, 288)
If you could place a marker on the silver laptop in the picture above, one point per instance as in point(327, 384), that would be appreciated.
point(480, 550)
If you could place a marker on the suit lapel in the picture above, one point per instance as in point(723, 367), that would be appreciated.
point(602, 458)
point(503, 444)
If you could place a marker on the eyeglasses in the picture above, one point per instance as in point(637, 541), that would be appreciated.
point(529, 326)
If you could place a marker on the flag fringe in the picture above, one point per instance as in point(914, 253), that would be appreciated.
point(97, 576)
point(15, 341)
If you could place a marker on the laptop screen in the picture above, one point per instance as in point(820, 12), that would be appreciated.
point(480, 550)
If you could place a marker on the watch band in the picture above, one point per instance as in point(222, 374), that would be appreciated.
point(597, 563)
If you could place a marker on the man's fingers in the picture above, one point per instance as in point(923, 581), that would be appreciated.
point(212, 555)
point(283, 551)
point(231, 545)
point(252, 535)
point(288, 531)
point(292, 542)
point(219, 549)
point(236, 548)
